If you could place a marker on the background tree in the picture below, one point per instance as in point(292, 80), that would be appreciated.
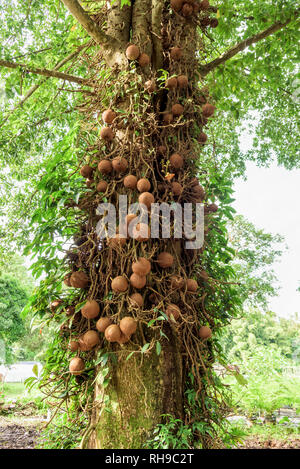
point(54, 133)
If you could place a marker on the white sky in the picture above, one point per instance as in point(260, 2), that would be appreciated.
point(269, 199)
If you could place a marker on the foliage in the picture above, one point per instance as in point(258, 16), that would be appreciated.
point(255, 252)
point(60, 434)
point(261, 329)
point(267, 387)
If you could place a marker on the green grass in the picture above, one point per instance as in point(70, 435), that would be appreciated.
point(17, 391)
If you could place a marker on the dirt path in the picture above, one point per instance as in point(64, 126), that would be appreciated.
point(19, 433)
point(259, 443)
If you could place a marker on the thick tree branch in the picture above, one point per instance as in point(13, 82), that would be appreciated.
point(43, 71)
point(205, 69)
point(89, 25)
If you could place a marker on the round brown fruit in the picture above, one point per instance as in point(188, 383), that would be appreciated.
point(171, 83)
point(132, 52)
point(173, 312)
point(107, 134)
point(168, 118)
point(214, 22)
point(136, 300)
point(176, 5)
point(67, 280)
point(147, 199)
point(191, 285)
point(142, 232)
point(73, 345)
point(204, 275)
point(165, 260)
point(76, 366)
point(108, 116)
point(141, 267)
point(176, 53)
point(182, 81)
point(91, 339)
point(128, 326)
point(150, 86)
point(119, 284)
point(176, 161)
point(208, 110)
point(117, 241)
point(144, 60)
point(161, 150)
point(129, 218)
point(86, 171)
point(177, 283)
point(187, 10)
point(103, 324)
point(83, 347)
point(176, 188)
point(119, 164)
point(105, 167)
point(202, 137)
point(177, 109)
point(213, 208)
point(123, 339)
point(143, 185)
point(130, 181)
point(113, 333)
point(102, 186)
point(90, 310)
point(205, 332)
point(198, 191)
point(79, 280)
point(138, 281)
point(204, 5)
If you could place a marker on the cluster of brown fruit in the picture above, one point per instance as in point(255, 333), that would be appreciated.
point(189, 8)
point(120, 333)
point(133, 53)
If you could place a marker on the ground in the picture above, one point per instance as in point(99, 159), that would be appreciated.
point(19, 432)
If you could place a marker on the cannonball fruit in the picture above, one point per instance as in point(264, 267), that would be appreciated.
point(113, 333)
point(90, 310)
point(138, 281)
point(67, 280)
point(173, 311)
point(208, 110)
point(123, 339)
point(141, 267)
point(102, 324)
point(128, 326)
point(172, 83)
point(79, 280)
point(108, 116)
point(130, 181)
point(143, 185)
point(70, 310)
point(105, 167)
point(132, 52)
point(91, 339)
point(176, 188)
point(202, 137)
point(101, 186)
point(191, 285)
point(73, 345)
point(204, 5)
point(129, 218)
point(119, 164)
point(177, 109)
point(119, 284)
point(144, 60)
point(176, 5)
point(176, 161)
point(165, 260)
point(176, 53)
point(142, 232)
point(76, 366)
point(182, 81)
point(86, 171)
point(187, 10)
point(177, 283)
point(168, 118)
point(107, 134)
point(136, 300)
point(150, 86)
point(55, 304)
point(147, 199)
point(205, 332)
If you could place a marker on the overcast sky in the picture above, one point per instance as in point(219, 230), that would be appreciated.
point(269, 199)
